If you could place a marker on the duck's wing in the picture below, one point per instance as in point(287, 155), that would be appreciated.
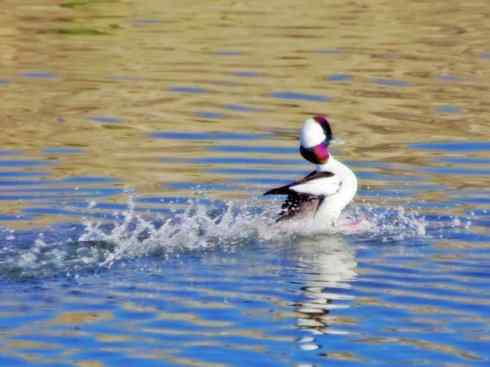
point(315, 183)
point(305, 196)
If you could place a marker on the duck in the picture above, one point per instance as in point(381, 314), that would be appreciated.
point(324, 193)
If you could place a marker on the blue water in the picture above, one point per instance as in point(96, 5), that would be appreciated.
point(177, 280)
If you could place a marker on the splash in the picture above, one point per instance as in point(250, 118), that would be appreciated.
point(95, 245)
point(198, 227)
point(387, 224)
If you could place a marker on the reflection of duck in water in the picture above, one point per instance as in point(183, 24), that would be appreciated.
point(329, 265)
point(325, 192)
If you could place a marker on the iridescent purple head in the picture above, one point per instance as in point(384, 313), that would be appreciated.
point(316, 135)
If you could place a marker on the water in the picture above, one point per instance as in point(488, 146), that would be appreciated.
point(138, 138)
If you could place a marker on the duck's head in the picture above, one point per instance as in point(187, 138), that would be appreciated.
point(316, 135)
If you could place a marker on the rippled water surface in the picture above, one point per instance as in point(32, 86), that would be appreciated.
point(138, 137)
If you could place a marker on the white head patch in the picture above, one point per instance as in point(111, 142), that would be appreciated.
point(311, 134)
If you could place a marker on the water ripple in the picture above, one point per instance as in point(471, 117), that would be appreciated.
point(448, 109)
point(455, 146)
point(253, 149)
point(391, 82)
point(105, 119)
point(215, 135)
point(210, 115)
point(299, 96)
point(246, 74)
point(241, 108)
point(339, 78)
point(47, 75)
point(243, 160)
point(188, 89)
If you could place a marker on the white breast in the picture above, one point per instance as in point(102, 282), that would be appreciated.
point(331, 208)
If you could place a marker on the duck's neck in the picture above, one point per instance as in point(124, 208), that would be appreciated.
point(334, 204)
point(331, 165)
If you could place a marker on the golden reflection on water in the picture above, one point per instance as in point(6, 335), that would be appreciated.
point(89, 364)
point(81, 317)
point(120, 59)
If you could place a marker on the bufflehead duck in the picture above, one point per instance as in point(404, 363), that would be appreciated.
point(325, 192)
